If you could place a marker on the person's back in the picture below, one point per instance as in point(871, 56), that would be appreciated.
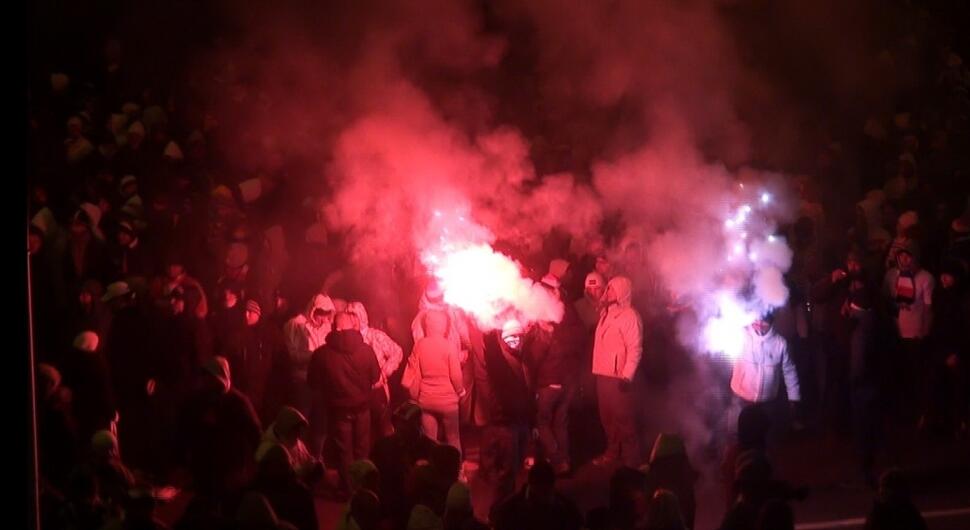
point(893, 509)
point(537, 505)
point(344, 370)
point(290, 499)
point(85, 372)
point(670, 470)
point(437, 361)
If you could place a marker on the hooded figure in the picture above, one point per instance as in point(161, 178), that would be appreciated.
point(433, 377)
point(537, 505)
point(671, 470)
point(906, 234)
point(617, 349)
point(87, 255)
point(433, 300)
point(114, 478)
point(364, 479)
point(85, 372)
point(893, 506)
point(910, 289)
point(219, 432)
point(256, 513)
point(761, 366)
point(396, 454)
point(389, 356)
point(342, 374)
point(286, 431)
point(290, 498)
point(307, 332)
point(389, 353)
point(57, 429)
point(459, 514)
point(619, 340)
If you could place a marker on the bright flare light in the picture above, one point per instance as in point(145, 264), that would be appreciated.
point(484, 283)
point(724, 332)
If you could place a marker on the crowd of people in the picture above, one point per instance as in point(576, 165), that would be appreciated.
point(195, 337)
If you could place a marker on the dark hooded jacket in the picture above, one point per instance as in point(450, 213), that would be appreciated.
point(507, 376)
point(344, 370)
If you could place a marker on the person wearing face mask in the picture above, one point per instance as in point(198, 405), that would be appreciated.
point(761, 366)
point(617, 349)
point(510, 410)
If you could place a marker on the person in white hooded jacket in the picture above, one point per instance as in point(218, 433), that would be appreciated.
point(389, 357)
point(764, 362)
point(617, 348)
point(304, 334)
point(308, 331)
point(759, 370)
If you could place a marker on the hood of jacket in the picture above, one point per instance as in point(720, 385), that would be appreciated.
point(319, 301)
point(623, 288)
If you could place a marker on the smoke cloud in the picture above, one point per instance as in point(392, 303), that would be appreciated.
point(528, 116)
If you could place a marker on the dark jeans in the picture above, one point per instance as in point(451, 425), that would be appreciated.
point(617, 412)
point(553, 423)
point(502, 452)
point(910, 372)
point(351, 435)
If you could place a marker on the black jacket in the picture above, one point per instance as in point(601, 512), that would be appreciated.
point(127, 261)
point(86, 374)
point(344, 370)
point(511, 399)
point(251, 357)
point(554, 357)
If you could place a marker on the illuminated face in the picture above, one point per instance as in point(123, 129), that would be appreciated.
point(252, 318)
point(595, 292)
point(319, 318)
point(602, 266)
point(514, 342)
point(85, 298)
point(761, 327)
point(611, 297)
point(854, 267)
point(904, 260)
point(947, 280)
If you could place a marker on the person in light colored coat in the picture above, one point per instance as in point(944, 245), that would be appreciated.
point(617, 348)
